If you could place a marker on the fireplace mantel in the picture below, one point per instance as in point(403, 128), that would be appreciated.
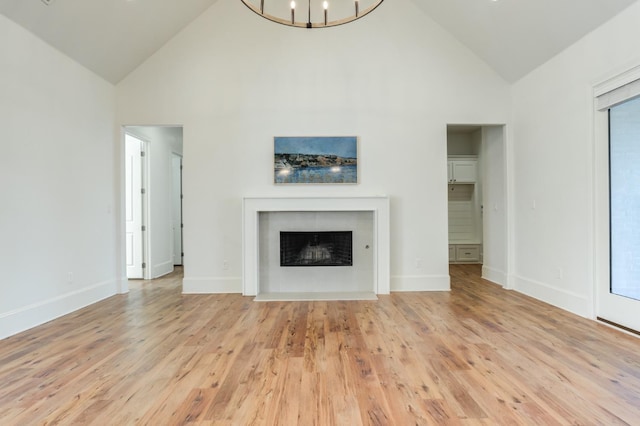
point(377, 205)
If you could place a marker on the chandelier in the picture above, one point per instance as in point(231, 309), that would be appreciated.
point(304, 14)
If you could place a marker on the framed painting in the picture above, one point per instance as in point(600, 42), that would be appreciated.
point(315, 159)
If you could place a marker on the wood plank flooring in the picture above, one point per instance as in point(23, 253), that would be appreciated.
point(478, 355)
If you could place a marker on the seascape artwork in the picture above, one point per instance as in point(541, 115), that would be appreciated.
point(316, 159)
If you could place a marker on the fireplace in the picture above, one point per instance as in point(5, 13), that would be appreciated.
point(322, 248)
point(265, 218)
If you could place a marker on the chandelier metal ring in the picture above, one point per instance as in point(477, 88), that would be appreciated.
point(320, 14)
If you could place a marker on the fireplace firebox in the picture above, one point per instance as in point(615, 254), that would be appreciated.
point(323, 248)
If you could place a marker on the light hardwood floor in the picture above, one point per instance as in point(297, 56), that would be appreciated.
point(475, 355)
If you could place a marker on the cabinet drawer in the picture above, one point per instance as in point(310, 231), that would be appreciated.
point(468, 253)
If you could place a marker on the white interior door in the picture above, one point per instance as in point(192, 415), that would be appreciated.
point(176, 202)
point(133, 207)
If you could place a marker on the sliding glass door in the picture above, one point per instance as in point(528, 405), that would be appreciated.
point(618, 295)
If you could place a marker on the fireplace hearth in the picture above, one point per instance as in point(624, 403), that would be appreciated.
point(326, 248)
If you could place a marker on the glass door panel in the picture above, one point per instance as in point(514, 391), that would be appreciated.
point(624, 192)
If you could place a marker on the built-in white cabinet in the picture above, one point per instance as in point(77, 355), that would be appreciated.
point(462, 171)
point(465, 218)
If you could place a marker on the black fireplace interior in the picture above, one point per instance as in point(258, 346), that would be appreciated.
point(325, 248)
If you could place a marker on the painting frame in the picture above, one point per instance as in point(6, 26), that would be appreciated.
point(322, 160)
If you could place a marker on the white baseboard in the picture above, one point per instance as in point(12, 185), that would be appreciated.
point(212, 285)
point(494, 275)
point(30, 316)
point(234, 284)
point(560, 298)
point(162, 269)
point(420, 283)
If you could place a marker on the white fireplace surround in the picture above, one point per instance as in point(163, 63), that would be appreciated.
point(253, 206)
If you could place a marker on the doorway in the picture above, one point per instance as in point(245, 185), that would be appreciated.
point(156, 200)
point(477, 198)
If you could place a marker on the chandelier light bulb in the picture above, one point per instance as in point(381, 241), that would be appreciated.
point(293, 12)
point(325, 6)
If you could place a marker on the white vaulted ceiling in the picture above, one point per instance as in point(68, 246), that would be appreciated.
point(516, 36)
point(109, 37)
point(113, 37)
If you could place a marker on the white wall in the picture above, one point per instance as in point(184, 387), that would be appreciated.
point(57, 217)
point(162, 142)
point(235, 81)
point(553, 167)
